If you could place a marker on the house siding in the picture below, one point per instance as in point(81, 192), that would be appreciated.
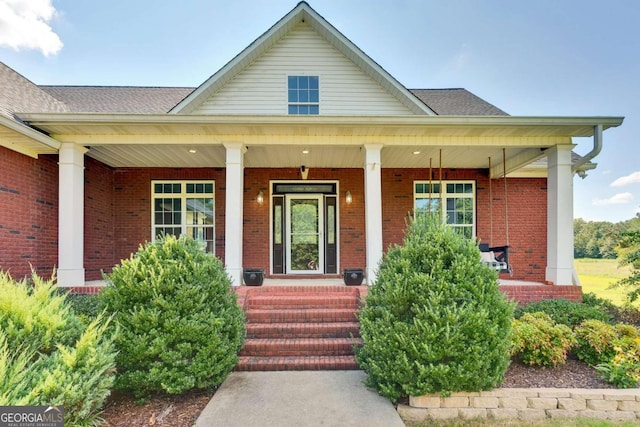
point(261, 88)
point(527, 216)
point(29, 214)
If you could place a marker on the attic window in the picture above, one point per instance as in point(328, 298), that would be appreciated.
point(303, 95)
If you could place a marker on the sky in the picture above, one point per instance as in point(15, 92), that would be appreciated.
point(529, 58)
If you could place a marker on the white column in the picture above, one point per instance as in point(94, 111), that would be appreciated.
point(233, 211)
point(559, 216)
point(71, 215)
point(373, 209)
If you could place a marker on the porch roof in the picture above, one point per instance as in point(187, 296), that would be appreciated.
point(161, 140)
point(368, 127)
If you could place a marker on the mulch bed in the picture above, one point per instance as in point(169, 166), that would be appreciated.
point(183, 410)
point(175, 411)
point(573, 374)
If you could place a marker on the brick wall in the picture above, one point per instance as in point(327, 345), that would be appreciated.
point(256, 217)
point(99, 219)
point(527, 216)
point(28, 213)
point(132, 204)
point(118, 212)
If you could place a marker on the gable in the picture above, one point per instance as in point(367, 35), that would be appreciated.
point(288, 25)
point(261, 88)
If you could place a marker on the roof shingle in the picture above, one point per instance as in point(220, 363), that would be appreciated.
point(118, 99)
point(456, 102)
point(18, 94)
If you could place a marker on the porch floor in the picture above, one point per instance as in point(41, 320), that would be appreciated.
point(332, 282)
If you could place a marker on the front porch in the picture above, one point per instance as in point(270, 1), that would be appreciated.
point(519, 290)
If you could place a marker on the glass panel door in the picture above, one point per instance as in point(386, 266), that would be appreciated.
point(304, 234)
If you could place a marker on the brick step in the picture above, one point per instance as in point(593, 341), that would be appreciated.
point(314, 315)
point(309, 363)
point(302, 301)
point(303, 330)
point(305, 289)
point(279, 347)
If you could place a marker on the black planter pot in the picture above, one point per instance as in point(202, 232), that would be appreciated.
point(353, 276)
point(253, 276)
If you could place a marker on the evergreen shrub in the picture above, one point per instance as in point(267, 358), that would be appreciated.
point(619, 314)
point(565, 312)
point(87, 307)
point(434, 321)
point(48, 356)
point(538, 340)
point(181, 327)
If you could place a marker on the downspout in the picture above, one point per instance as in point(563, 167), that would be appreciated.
point(597, 147)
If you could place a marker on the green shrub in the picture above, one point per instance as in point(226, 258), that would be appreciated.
point(434, 321)
point(563, 311)
point(623, 370)
point(592, 300)
point(538, 340)
point(47, 355)
point(180, 322)
point(86, 307)
point(625, 314)
point(595, 341)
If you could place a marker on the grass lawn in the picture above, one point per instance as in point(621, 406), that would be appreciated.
point(596, 275)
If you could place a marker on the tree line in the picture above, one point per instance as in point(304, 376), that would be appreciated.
point(599, 239)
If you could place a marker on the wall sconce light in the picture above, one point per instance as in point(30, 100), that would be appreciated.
point(348, 198)
point(260, 198)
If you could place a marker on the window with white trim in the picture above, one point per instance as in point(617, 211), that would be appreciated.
point(303, 95)
point(184, 207)
point(455, 200)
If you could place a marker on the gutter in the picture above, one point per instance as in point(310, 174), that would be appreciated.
point(597, 147)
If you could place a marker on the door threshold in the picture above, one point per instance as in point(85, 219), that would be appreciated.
point(303, 281)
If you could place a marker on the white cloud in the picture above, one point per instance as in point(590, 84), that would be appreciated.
point(633, 178)
point(24, 24)
point(618, 199)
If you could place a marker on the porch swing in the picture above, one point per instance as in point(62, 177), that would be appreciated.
point(497, 257)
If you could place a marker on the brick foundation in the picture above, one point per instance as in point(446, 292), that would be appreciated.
point(530, 293)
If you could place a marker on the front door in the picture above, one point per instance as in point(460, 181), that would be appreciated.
point(304, 233)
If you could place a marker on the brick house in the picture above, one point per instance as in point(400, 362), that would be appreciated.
point(301, 156)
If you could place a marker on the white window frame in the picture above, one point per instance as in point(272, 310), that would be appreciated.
point(301, 74)
point(443, 195)
point(183, 195)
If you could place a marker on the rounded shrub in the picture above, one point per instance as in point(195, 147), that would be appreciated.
point(434, 321)
point(565, 312)
point(48, 356)
point(595, 341)
point(181, 327)
point(538, 340)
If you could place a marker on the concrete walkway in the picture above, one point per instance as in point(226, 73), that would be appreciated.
point(298, 398)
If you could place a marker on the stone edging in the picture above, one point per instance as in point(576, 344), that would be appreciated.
point(526, 403)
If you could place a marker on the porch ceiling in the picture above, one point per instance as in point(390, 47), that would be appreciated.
point(124, 140)
point(317, 156)
point(23, 139)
